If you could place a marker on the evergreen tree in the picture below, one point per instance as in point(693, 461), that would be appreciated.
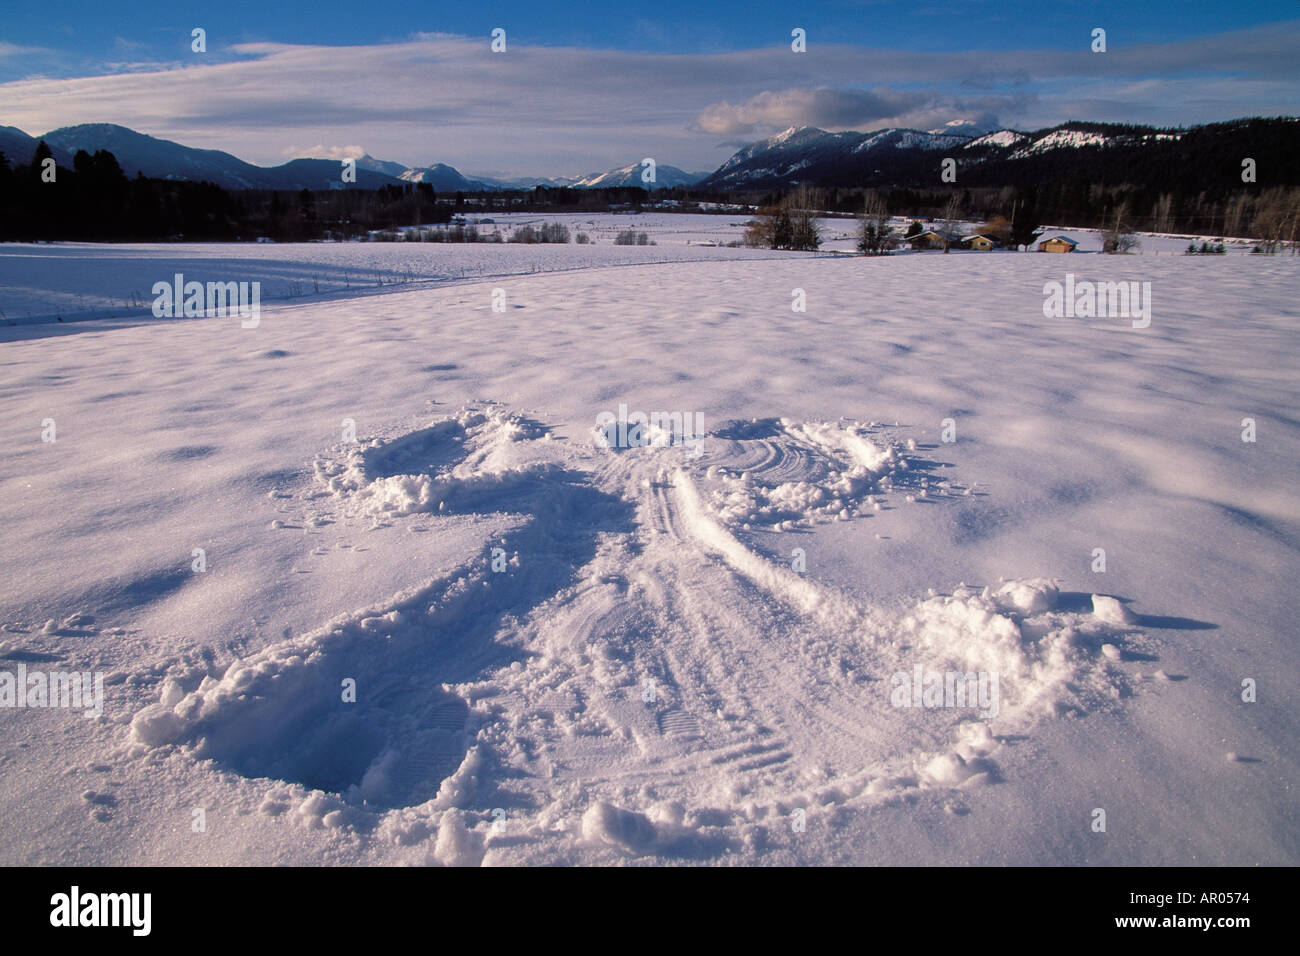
point(1024, 222)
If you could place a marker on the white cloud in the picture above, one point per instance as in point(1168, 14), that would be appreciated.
point(323, 152)
point(827, 108)
point(14, 51)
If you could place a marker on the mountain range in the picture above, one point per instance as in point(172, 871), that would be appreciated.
point(1093, 151)
point(799, 155)
point(164, 159)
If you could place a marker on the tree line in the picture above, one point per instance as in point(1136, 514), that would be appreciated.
point(96, 201)
point(1015, 216)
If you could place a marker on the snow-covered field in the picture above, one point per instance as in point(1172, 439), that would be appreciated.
point(115, 281)
point(435, 620)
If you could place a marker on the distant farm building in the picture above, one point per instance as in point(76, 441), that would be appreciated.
point(1057, 244)
point(930, 239)
point(981, 243)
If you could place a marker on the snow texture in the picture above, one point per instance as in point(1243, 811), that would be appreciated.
point(461, 631)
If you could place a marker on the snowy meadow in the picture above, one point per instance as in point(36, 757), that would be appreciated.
point(676, 553)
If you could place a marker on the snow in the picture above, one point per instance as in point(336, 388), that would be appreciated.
point(561, 652)
point(1110, 610)
point(872, 140)
point(910, 139)
point(1061, 139)
point(783, 136)
point(1002, 137)
point(115, 281)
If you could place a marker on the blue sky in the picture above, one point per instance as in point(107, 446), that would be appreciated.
point(92, 30)
point(585, 86)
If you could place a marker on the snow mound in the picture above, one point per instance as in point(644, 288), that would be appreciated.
point(1044, 659)
point(473, 450)
point(621, 828)
point(1028, 597)
point(783, 474)
point(1111, 610)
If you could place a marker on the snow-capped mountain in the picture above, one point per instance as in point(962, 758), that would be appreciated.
point(1074, 136)
point(906, 157)
point(630, 175)
point(381, 166)
point(809, 155)
point(527, 182)
point(1002, 137)
point(443, 179)
point(961, 128)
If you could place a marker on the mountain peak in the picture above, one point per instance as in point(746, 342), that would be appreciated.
point(794, 132)
point(961, 128)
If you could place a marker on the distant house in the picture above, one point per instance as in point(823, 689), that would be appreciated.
point(1057, 244)
point(933, 239)
point(981, 242)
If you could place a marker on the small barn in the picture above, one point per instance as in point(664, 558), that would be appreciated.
point(981, 242)
point(1057, 244)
